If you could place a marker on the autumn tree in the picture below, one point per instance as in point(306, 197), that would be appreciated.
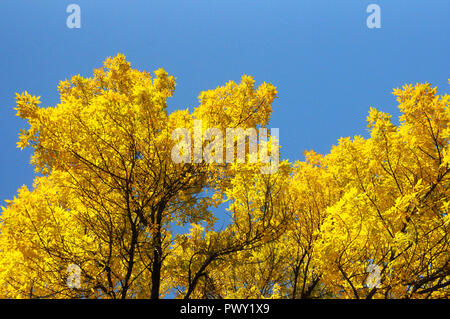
point(109, 188)
point(368, 220)
point(393, 212)
point(116, 171)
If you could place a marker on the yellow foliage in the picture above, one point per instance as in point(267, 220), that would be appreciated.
point(368, 220)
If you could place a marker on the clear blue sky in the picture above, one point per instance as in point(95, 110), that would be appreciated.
point(329, 68)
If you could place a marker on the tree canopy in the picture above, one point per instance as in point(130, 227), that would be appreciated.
point(367, 220)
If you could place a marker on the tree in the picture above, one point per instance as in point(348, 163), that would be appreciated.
point(110, 184)
point(393, 213)
point(117, 171)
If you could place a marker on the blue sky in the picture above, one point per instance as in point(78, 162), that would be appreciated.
point(329, 68)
